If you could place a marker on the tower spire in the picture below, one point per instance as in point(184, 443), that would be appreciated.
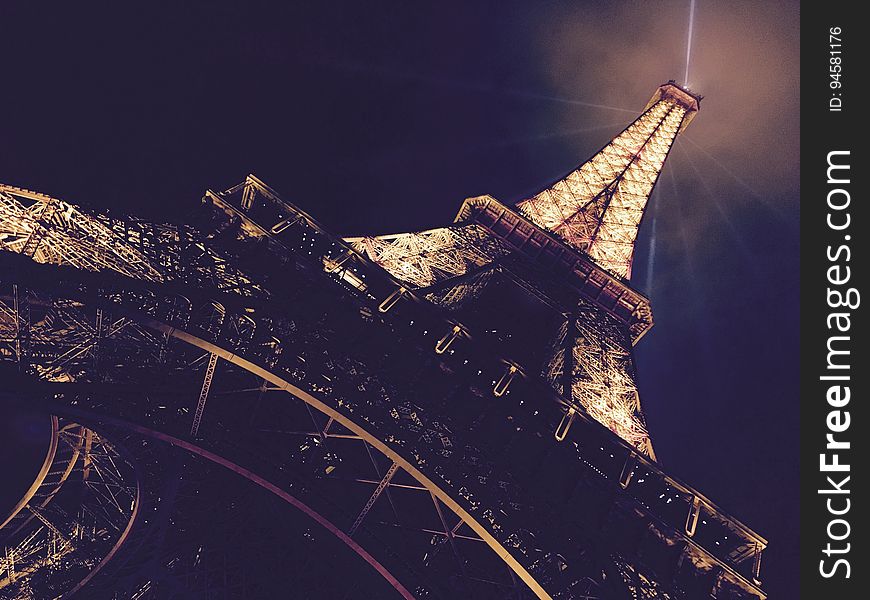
point(598, 206)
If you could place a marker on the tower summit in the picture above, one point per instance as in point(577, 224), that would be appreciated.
point(598, 207)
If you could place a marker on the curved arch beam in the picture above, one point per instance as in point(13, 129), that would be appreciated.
point(254, 478)
point(52, 464)
point(115, 548)
point(373, 440)
point(40, 475)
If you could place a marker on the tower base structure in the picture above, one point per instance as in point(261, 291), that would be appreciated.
point(440, 414)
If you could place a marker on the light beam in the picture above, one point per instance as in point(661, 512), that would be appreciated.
point(689, 41)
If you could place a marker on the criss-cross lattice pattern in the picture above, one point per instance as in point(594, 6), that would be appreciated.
point(602, 379)
point(363, 398)
point(52, 537)
point(598, 207)
point(53, 231)
point(429, 257)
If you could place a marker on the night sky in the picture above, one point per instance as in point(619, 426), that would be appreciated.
point(381, 117)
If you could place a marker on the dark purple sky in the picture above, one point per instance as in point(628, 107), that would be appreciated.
point(381, 117)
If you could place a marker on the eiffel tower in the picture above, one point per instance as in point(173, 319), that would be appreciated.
point(249, 406)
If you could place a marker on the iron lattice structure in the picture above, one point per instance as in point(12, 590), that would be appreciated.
point(74, 517)
point(598, 206)
point(450, 413)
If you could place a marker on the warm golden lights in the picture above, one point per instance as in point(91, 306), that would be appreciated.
point(598, 207)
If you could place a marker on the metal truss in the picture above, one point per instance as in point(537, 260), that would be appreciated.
point(72, 520)
point(458, 258)
point(62, 341)
point(562, 275)
point(600, 374)
point(455, 293)
point(327, 372)
point(55, 232)
point(301, 356)
point(598, 207)
point(209, 533)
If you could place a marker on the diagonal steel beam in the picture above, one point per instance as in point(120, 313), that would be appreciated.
point(382, 485)
point(203, 394)
point(449, 532)
point(378, 472)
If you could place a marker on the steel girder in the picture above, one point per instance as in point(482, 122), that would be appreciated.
point(189, 507)
point(72, 520)
point(598, 207)
point(331, 383)
point(355, 346)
